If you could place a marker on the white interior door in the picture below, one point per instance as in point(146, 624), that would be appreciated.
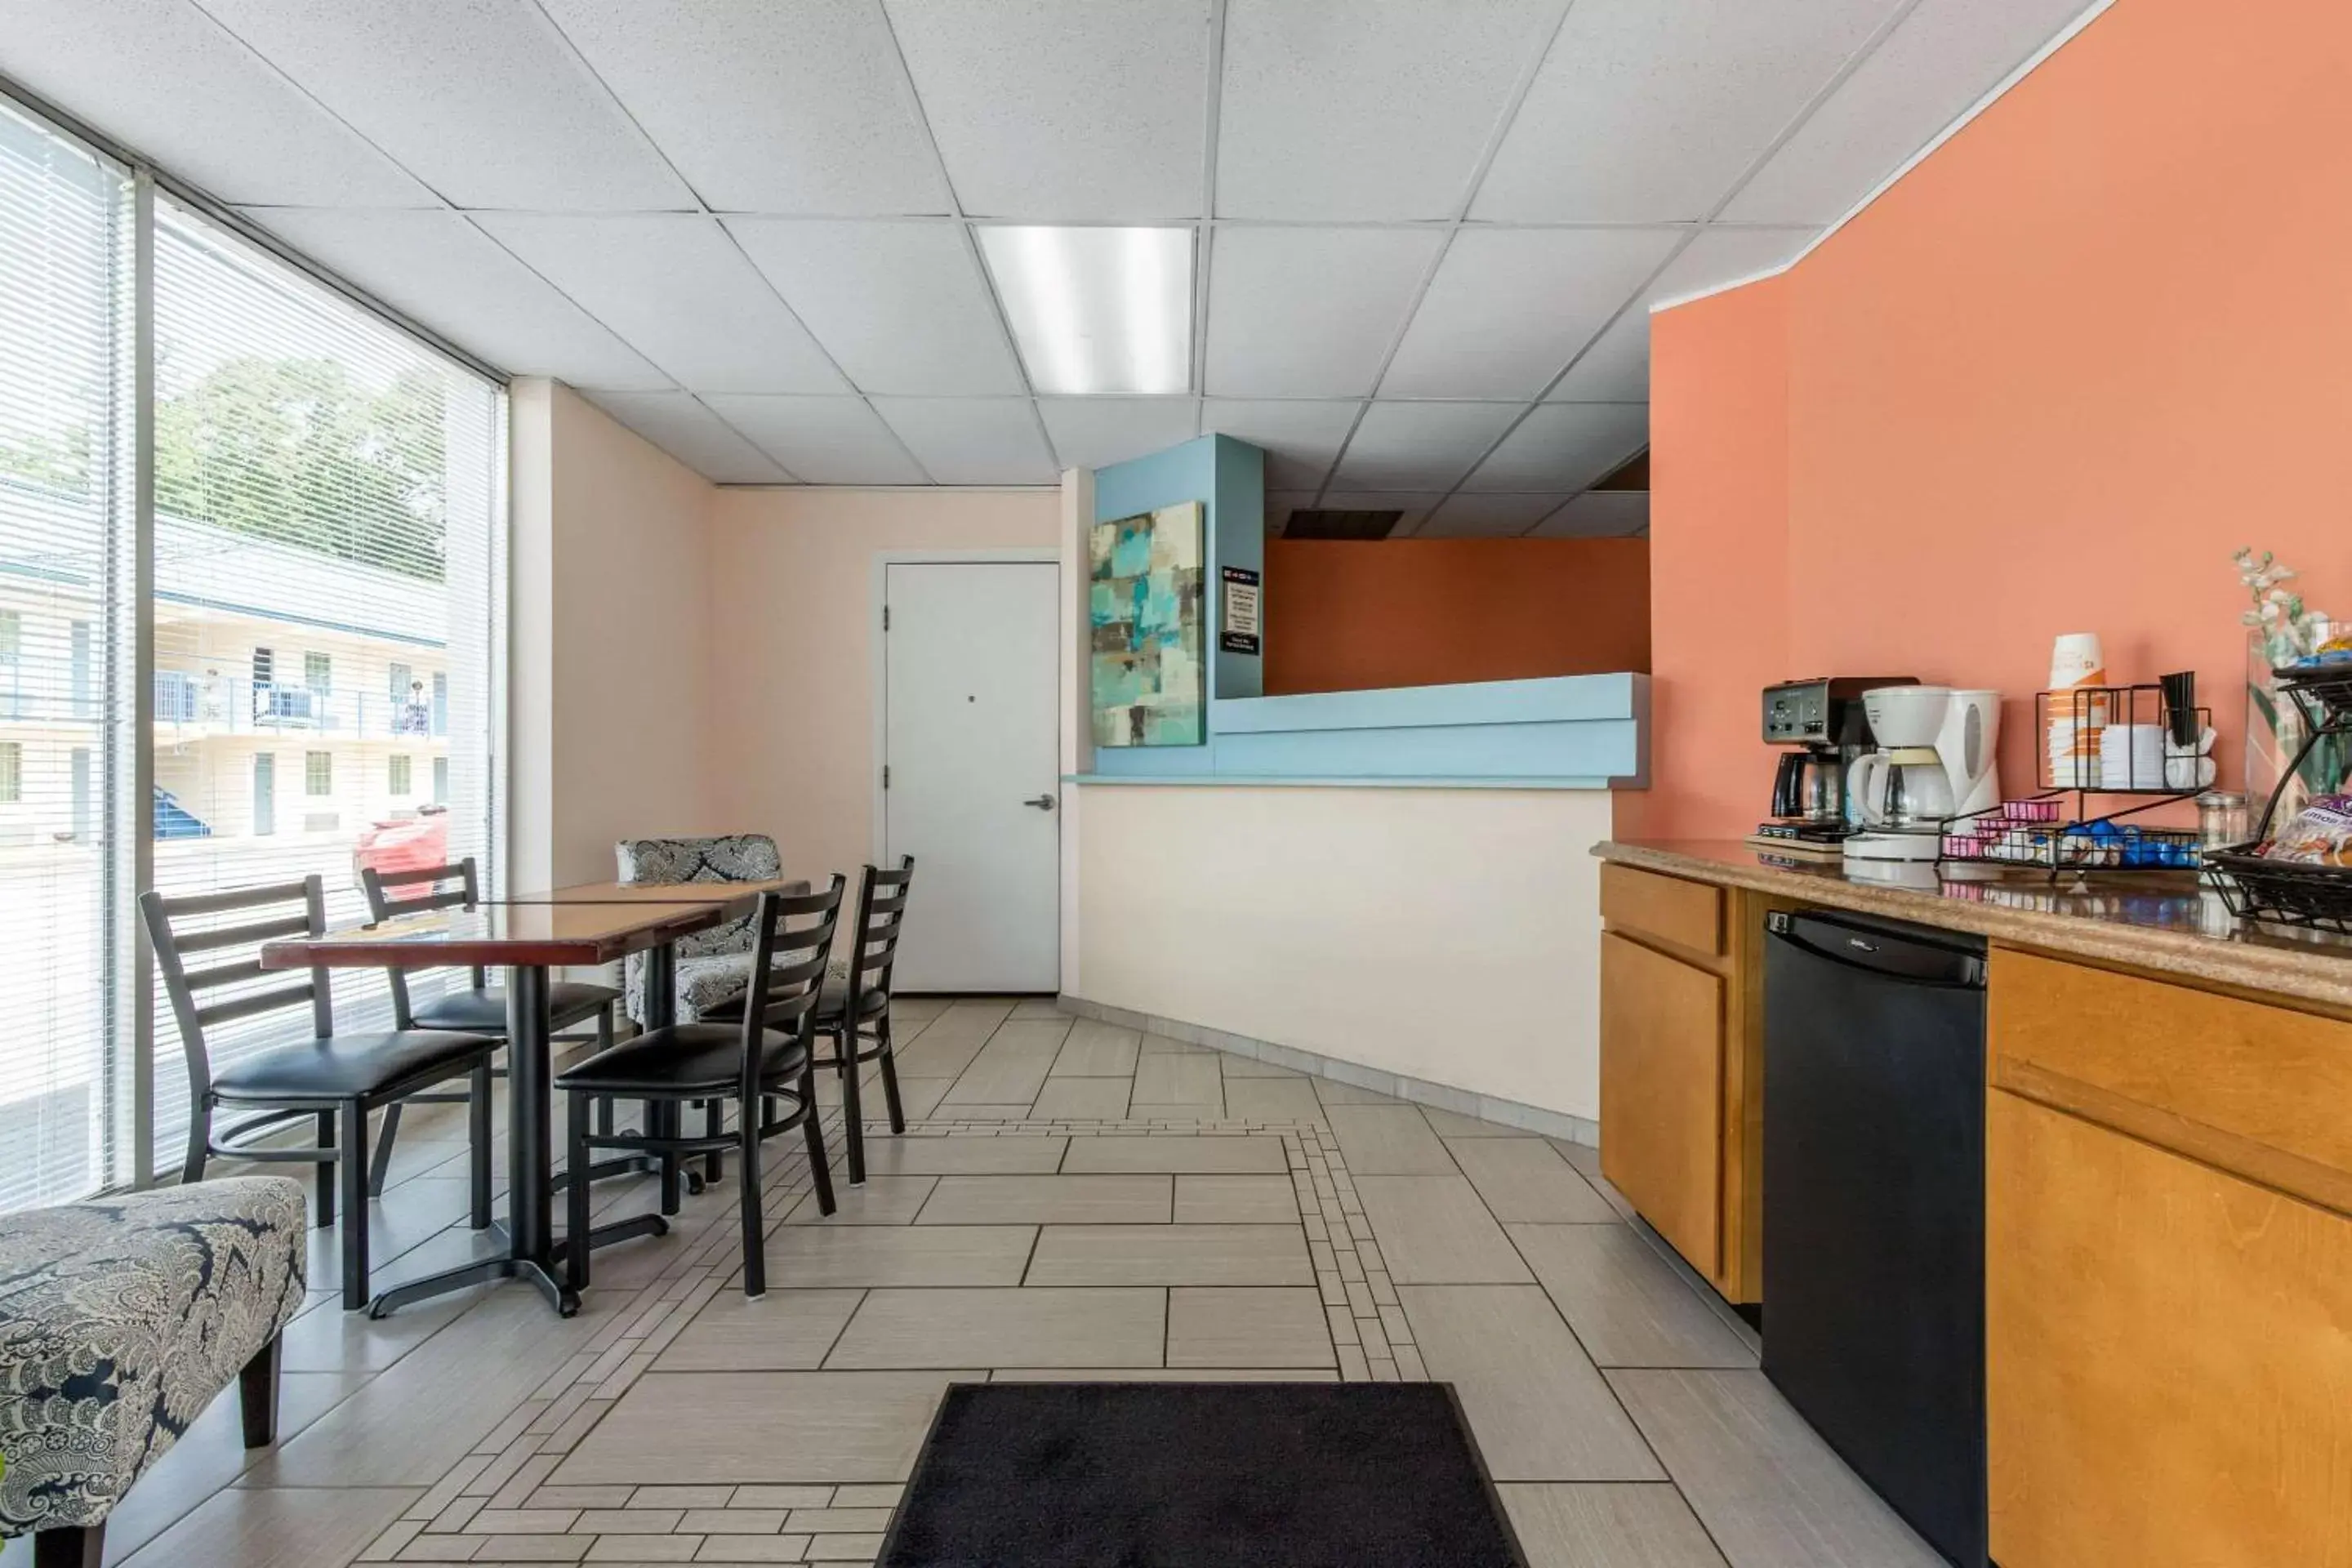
point(972, 787)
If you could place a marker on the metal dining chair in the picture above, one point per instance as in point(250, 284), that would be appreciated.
point(338, 1078)
point(479, 1007)
point(762, 1064)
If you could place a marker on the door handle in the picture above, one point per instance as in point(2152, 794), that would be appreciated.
point(1042, 802)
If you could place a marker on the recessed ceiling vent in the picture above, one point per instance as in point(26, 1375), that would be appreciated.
point(1308, 523)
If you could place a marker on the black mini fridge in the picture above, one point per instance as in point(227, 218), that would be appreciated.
point(1873, 1207)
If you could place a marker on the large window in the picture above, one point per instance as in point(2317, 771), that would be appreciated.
point(322, 573)
point(66, 621)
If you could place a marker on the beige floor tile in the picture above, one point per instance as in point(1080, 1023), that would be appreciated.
point(1447, 1124)
point(1334, 1092)
point(942, 1050)
point(1432, 1230)
point(1604, 1524)
point(1766, 1487)
point(1525, 1179)
point(1247, 1327)
point(1251, 1067)
point(306, 1528)
point(1039, 1007)
point(1539, 1409)
point(1188, 1080)
point(1270, 1099)
point(1082, 1099)
point(881, 1200)
point(906, 1012)
point(707, 1427)
point(1049, 1200)
point(814, 1256)
point(1011, 1068)
point(1623, 1301)
point(785, 1331)
point(946, 1156)
point(1097, 1049)
point(1027, 1327)
point(1165, 1374)
point(1235, 1200)
point(1389, 1141)
point(919, 1098)
point(1168, 1045)
point(966, 1111)
point(328, 1339)
point(1175, 1153)
point(1170, 1255)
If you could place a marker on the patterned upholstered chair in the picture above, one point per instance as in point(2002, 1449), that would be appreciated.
point(714, 964)
point(120, 1319)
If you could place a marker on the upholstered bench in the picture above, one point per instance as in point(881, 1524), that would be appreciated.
point(120, 1319)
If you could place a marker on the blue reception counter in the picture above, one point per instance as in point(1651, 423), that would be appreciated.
point(1569, 731)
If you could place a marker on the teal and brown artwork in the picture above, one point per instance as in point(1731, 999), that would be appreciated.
point(1149, 682)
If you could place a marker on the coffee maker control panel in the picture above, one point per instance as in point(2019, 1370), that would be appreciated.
point(1822, 711)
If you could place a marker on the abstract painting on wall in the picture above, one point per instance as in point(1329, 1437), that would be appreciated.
point(1148, 683)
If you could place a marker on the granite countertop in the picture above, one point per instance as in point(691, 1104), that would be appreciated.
point(2155, 920)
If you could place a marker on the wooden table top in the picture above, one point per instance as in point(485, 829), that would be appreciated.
point(498, 935)
point(730, 894)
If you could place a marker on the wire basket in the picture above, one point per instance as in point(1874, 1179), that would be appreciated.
point(2118, 740)
point(2284, 892)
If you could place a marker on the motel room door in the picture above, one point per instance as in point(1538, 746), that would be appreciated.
point(971, 760)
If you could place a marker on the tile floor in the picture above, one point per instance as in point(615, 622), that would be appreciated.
point(1073, 1200)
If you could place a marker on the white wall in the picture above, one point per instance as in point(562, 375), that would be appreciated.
point(1451, 936)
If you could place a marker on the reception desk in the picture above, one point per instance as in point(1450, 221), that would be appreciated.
point(1394, 889)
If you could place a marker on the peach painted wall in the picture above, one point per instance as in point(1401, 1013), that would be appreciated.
point(790, 627)
point(1343, 616)
point(2047, 382)
point(607, 692)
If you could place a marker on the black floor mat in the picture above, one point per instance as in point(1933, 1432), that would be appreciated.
point(1201, 1475)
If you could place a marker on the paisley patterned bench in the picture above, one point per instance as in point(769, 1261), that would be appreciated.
point(120, 1319)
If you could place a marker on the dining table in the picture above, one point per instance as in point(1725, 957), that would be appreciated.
point(528, 935)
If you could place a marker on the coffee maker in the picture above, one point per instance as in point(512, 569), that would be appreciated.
point(1822, 722)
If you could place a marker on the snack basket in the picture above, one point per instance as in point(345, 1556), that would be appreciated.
point(2293, 893)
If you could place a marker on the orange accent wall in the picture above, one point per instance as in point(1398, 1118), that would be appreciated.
point(1344, 615)
point(2047, 382)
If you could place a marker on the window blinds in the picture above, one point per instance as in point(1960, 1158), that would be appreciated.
point(329, 589)
point(66, 623)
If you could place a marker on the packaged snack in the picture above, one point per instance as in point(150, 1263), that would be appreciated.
point(2320, 835)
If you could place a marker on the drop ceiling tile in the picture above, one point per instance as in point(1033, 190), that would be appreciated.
point(1300, 438)
point(1421, 446)
point(687, 431)
point(1280, 504)
point(1509, 306)
point(1413, 506)
point(1616, 368)
point(1465, 516)
point(678, 291)
point(482, 100)
point(161, 77)
point(902, 307)
point(1309, 312)
point(450, 276)
point(1598, 514)
point(1064, 110)
point(971, 440)
point(1092, 431)
point(1943, 58)
point(766, 108)
point(825, 440)
point(1648, 114)
point(1565, 447)
point(1365, 109)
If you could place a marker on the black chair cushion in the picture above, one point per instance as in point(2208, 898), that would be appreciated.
point(829, 1000)
point(342, 1066)
point(482, 1010)
point(689, 1059)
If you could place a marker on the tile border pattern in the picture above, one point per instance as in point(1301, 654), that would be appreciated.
point(1396, 1086)
point(494, 1506)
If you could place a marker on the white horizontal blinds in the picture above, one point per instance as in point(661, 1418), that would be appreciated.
point(65, 625)
point(327, 545)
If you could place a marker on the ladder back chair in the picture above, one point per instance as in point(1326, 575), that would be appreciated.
point(478, 1008)
point(335, 1079)
point(764, 1063)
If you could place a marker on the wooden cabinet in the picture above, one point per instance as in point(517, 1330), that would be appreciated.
point(1682, 1067)
point(2168, 1275)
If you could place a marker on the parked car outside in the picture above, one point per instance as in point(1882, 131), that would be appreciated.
point(403, 844)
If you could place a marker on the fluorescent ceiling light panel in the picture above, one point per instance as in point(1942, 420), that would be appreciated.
point(1096, 309)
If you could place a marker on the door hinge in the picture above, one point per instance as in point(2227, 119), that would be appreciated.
point(886, 775)
point(885, 617)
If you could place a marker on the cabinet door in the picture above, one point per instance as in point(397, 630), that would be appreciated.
point(2168, 1357)
point(1662, 1095)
